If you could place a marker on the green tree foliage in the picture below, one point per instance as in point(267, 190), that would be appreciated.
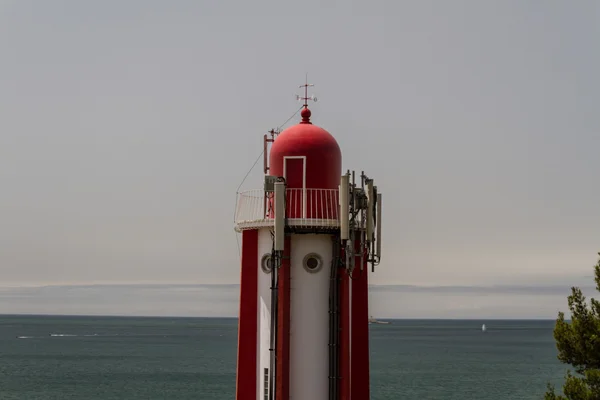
point(578, 344)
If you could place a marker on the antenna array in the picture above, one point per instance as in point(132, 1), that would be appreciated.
point(360, 220)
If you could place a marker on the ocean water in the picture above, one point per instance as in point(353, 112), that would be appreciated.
point(59, 357)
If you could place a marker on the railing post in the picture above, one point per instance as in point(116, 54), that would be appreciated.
point(304, 203)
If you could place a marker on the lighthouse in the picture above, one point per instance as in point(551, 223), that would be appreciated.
point(310, 238)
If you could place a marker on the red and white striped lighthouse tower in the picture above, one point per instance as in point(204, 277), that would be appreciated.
point(309, 239)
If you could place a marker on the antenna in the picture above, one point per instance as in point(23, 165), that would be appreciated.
point(370, 210)
point(344, 207)
point(274, 133)
point(378, 252)
point(306, 98)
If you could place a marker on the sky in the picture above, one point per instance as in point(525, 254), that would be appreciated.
point(126, 128)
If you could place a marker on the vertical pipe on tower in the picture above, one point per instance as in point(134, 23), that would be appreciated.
point(283, 325)
point(273, 328)
point(344, 352)
point(332, 277)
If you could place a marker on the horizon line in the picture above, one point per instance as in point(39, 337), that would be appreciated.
point(236, 317)
point(187, 284)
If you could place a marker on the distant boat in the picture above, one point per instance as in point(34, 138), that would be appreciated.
point(375, 321)
point(483, 328)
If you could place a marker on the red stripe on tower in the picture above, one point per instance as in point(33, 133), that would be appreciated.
point(360, 333)
point(247, 325)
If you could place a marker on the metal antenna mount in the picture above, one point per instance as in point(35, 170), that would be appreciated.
point(306, 98)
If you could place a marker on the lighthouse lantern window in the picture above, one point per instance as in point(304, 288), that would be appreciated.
point(265, 263)
point(313, 262)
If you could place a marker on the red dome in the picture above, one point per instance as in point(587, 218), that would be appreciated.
point(309, 151)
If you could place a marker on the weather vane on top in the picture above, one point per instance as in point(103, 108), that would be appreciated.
point(306, 98)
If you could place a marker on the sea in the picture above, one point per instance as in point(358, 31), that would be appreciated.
point(110, 358)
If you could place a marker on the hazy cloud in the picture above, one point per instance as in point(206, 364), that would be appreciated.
point(222, 300)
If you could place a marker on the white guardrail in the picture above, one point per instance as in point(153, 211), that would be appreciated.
point(304, 208)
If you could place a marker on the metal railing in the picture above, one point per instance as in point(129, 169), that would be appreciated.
point(304, 208)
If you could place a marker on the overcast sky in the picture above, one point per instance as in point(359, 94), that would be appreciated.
point(126, 127)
